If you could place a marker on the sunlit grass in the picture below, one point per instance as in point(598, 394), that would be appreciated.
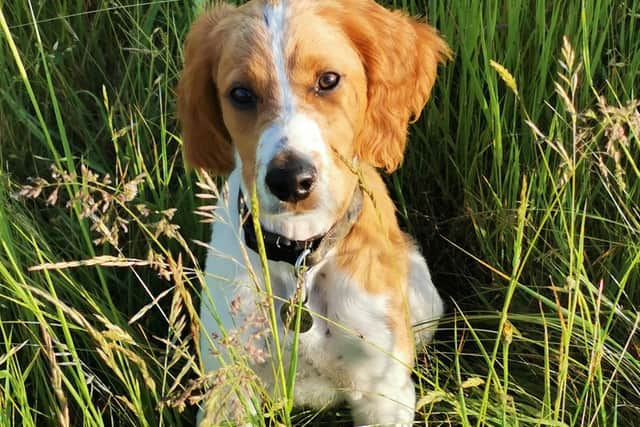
point(521, 184)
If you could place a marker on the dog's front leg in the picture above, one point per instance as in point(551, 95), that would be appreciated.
point(374, 350)
point(389, 400)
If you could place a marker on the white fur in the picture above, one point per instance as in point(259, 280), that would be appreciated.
point(425, 305)
point(347, 354)
point(275, 17)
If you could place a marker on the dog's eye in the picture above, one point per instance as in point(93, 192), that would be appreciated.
point(243, 98)
point(327, 82)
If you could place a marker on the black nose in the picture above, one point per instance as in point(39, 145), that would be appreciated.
point(290, 177)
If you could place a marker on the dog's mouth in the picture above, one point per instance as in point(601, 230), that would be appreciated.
point(283, 231)
point(285, 239)
point(289, 209)
point(303, 219)
point(297, 221)
point(290, 221)
point(293, 220)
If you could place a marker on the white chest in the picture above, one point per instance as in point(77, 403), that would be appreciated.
point(349, 327)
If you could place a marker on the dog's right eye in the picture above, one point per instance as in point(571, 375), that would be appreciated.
point(243, 98)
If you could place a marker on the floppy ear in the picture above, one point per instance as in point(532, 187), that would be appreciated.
point(206, 142)
point(401, 58)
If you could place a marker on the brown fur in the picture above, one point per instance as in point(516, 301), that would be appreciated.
point(206, 142)
point(375, 255)
point(401, 58)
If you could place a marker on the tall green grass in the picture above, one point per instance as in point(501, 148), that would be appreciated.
point(520, 183)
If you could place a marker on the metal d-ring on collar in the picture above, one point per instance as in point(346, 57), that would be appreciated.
point(300, 269)
point(300, 296)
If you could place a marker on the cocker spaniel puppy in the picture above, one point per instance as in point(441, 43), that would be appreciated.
point(304, 101)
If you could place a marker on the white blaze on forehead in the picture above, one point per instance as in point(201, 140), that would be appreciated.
point(275, 18)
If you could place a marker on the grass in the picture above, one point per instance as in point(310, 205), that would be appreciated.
point(521, 183)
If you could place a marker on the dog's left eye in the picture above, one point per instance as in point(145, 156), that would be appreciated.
point(327, 82)
point(243, 98)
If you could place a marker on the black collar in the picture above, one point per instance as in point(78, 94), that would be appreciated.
point(279, 248)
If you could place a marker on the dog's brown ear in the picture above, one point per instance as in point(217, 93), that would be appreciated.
point(206, 141)
point(401, 58)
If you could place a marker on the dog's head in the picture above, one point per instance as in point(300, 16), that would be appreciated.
point(295, 92)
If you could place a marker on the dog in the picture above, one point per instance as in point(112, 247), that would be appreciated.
point(302, 103)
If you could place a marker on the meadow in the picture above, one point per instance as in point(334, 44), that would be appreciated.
point(521, 184)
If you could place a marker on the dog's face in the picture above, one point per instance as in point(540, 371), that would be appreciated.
point(296, 93)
